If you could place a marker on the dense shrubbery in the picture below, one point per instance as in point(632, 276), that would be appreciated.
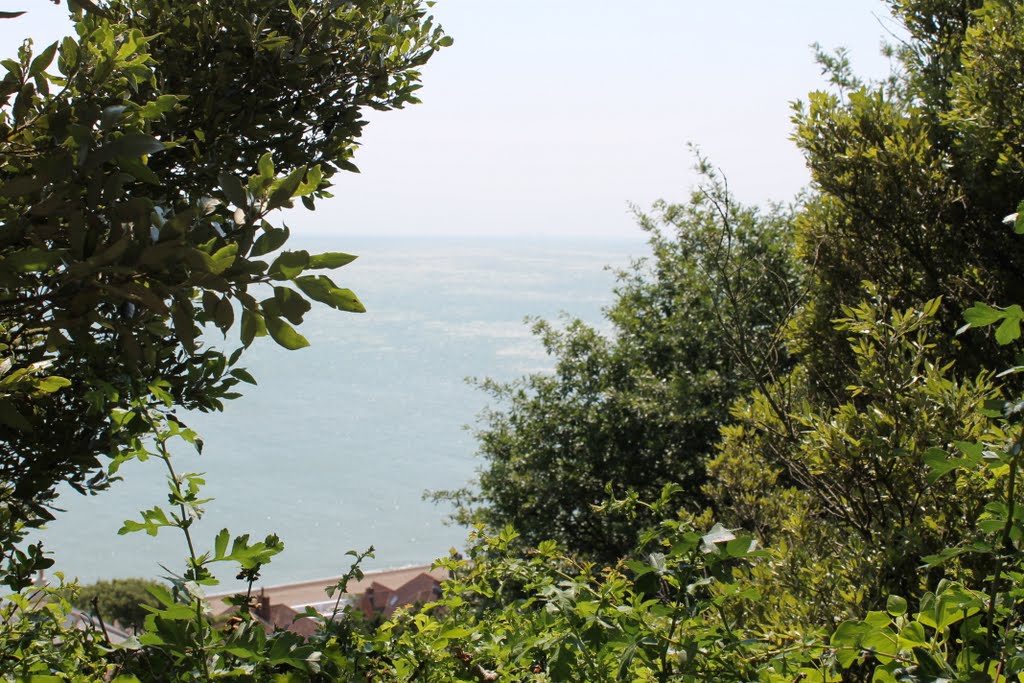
point(783, 465)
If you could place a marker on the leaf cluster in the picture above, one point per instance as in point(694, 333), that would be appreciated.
point(140, 164)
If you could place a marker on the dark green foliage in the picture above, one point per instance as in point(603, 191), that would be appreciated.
point(138, 169)
point(693, 328)
point(263, 75)
point(118, 601)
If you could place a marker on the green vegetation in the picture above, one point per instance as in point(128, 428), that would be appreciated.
point(783, 464)
point(119, 601)
point(136, 194)
point(694, 329)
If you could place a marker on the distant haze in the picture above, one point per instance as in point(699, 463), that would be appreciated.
point(551, 117)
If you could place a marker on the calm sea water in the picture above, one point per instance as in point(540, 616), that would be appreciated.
point(335, 447)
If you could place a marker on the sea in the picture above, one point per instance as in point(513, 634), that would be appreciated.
point(335, 447)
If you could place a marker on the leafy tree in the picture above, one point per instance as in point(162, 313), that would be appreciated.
point(118, 600)
point(849, 491)
point(631, 411)
point(910, 179)
point(139, 165)
point(912, 175)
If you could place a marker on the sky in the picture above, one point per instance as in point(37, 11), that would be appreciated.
point(551, 118)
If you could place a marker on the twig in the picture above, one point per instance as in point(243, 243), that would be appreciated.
point(99, 618)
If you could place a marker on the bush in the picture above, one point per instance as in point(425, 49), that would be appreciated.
point(120, 601)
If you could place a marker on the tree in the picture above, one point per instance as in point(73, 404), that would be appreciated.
point(913, 175)
point(119, 600)
point(139, 164)
point(912, 179)
point(693, 329)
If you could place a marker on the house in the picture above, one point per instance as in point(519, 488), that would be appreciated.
point(378, 593)
point(380, 599)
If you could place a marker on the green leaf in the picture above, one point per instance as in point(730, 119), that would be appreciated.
point(878, 620)
point(253, 325)
point(312, 182)
point(42, 61)
point(111, 115)
point(847, 639)
point(1009, 330)
point(140, 170)
point(162, 595)
point(68, 53)
point(33, 260)
point(882, 645)
point(128, 145)
point(457, 632)
point(981, 315)
point(266, 167)
point(896, 605)
point(52, 384)
point(284, 189)
point(233, 190)
point(224, 314)
point(224, 258)
point(972, 450)
point(10, 416)
point(331, 260)
point(272, 239)
point(220, 544)
point(184, 324)
point(321, 288)
point(289, 265)
point(243, 375)
point(284, 334)
point(940, 464)
point(289, 304)
point(930, 666)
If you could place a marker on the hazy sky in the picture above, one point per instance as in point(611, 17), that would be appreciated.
point(548, 117)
